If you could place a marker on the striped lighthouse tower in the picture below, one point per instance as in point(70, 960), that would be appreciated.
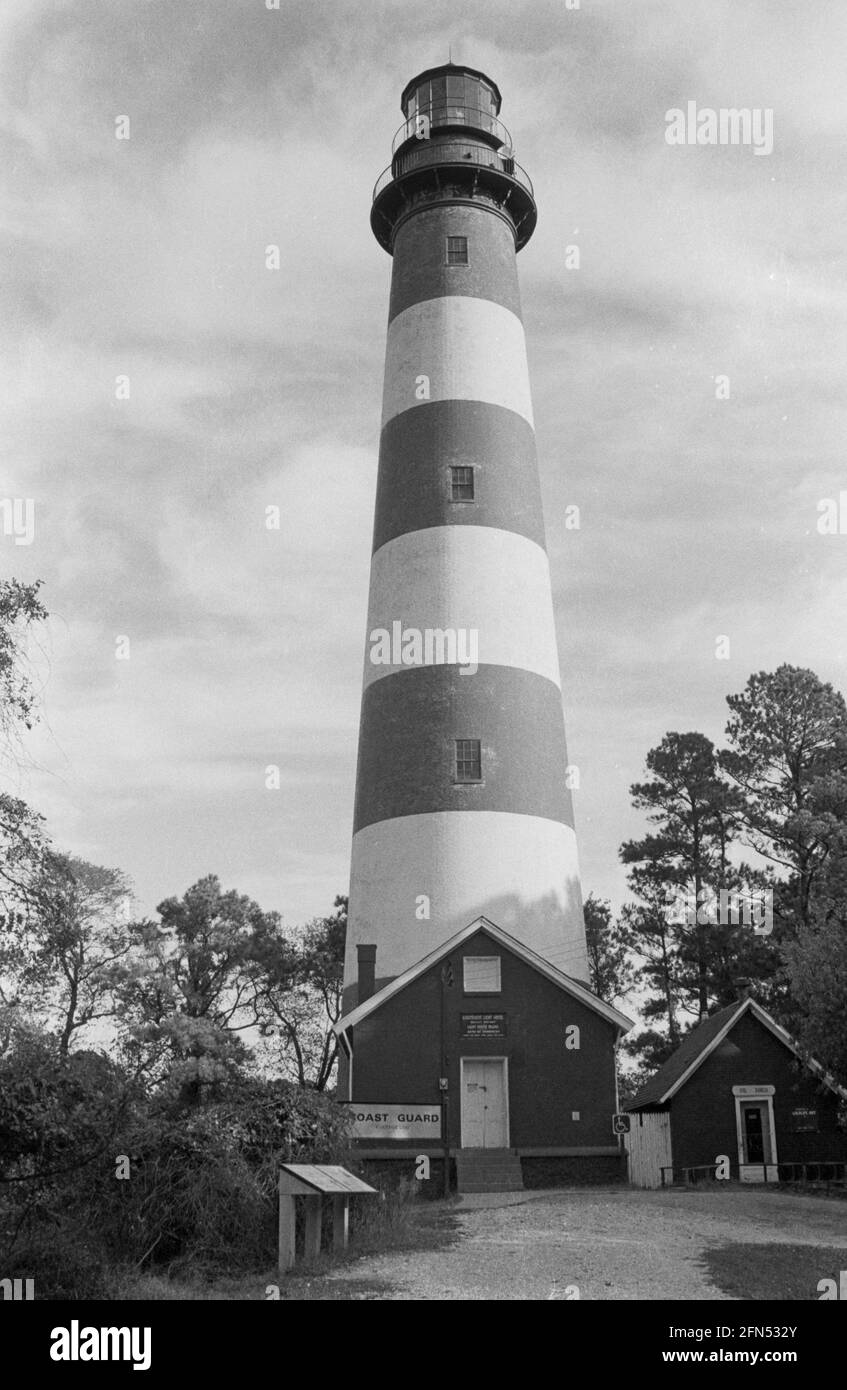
point(462, 805)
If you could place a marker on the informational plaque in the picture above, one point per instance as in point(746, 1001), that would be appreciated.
point(483, 1025)
point(804, 1119)
point(373, 1121)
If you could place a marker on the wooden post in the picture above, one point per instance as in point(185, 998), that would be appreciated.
point(286, 1231)
point(312, 1247)
point(340, 1221)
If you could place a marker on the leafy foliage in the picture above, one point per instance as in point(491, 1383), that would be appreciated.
point(200, 1192)
point(787, 733)
point(300, 998)
point(609, 960)
point(67, 953)
point(780, 790)
point(20, 608)
point(22, 838)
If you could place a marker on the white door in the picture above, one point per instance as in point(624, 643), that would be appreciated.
point(484, 1116)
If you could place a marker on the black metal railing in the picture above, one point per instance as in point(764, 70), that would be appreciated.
point(450, 113)
point(828, 1174)
point(452, 152)
point(704, 1172)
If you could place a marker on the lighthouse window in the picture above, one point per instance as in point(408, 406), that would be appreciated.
point(457, 250)
point(481, 974)
point(461, 484)
point(474, 96)
point(468, 760)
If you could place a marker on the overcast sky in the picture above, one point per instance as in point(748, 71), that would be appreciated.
point(252, 388)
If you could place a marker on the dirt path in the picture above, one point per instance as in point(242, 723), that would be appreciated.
point(610, 1244)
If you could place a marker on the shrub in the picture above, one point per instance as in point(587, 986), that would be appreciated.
point(201, 1195)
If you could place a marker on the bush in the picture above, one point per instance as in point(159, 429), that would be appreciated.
point(62, 1261)
point(201, 1195)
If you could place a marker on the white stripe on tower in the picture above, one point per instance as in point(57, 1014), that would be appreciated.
point(461, 579)
point(456, 349)
point(525, 878)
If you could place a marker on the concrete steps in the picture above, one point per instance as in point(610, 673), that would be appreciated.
point(488, 1170)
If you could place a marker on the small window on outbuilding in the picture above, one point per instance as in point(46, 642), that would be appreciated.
point(468, 760)
point(481, 974)
point(457, 250)
point(461, 485)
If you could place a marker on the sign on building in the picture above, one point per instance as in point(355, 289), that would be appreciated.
point(804, 1119)
point(374, 1121)
point(483, 1025)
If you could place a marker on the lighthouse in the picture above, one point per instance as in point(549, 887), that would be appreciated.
point(464, 869)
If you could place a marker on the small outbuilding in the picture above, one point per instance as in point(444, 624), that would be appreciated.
point(737, 1099)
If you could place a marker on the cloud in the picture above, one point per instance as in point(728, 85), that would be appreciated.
point(252, 388)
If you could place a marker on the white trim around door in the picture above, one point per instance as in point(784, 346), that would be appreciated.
point(762, 1097)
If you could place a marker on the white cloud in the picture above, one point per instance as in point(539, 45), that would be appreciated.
point(252, 387)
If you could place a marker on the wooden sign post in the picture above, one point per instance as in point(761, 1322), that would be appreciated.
point(313, 1181)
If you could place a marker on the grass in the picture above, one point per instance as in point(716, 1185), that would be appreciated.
point(767, 1272)
point(397, 1223)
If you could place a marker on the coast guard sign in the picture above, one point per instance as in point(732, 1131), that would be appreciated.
point(375, 1121)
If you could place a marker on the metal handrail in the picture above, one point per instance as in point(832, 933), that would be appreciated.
point(838, 1169)
point(461, 154)
point(452, 113)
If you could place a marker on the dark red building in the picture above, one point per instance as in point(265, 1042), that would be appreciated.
point(737, 1095)
point(487, 1055)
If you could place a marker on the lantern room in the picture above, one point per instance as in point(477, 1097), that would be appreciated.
point(452, 145)
point(452, 96)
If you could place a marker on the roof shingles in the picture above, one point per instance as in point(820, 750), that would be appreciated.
point(692, 1045)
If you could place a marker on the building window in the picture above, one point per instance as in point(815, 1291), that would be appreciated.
point(468, 760)
point(481, 974)
point(457, 250)
point(461, 484)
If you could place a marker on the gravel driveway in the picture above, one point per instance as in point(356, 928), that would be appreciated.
point(610, 1243)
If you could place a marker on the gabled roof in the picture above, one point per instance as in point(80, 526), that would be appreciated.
point(518, 948)
point(702, 1041)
